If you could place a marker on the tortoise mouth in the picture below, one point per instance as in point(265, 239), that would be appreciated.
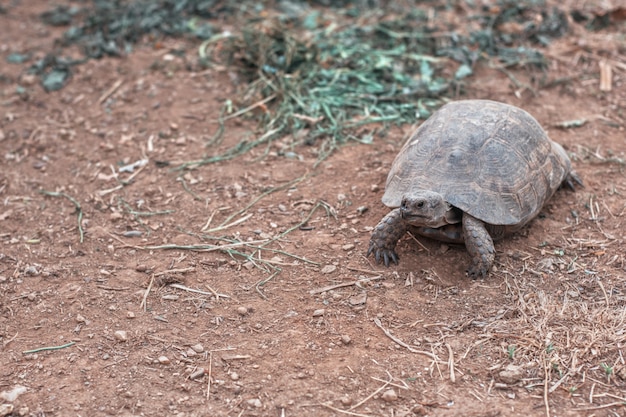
point(410, 217)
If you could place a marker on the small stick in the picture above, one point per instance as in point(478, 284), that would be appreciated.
point(401, 343)
point(343, 284)
point(365, 271)
point(6, 342)
point(247, 109)
point(226, 226)
point(203, 248)
point(208, 222)
point(144, 302)
point(339, 410)
point(110, 91)
point(208, 388)
point(545, 387)
point(79, 210)
point(391, 383)
point(451, 363)
point(606, 297)
point(182, 287)
point(598, 407)
point(28, 352)
point(104, 287)
point(215, 293)
point(419, 243)
point(174, 271)
point(363, 401)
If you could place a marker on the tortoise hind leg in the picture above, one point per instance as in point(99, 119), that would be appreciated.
point(385, 236)
point(479, 245)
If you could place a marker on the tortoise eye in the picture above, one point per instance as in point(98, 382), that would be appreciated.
point(420, 204)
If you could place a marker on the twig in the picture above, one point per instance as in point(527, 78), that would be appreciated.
point(404, 386)
point(199, 248)
point(339, 410)
point(144, 302)
point(182, 287)
point(110, 91)
point(104, 287)
point(208, 388)
point(226, 226)
point(174, 271)
point(215, 293)
point(598, 407)
point(343, 284)
point(263, 282)
point(79, 210)
point(28, 352)
point(6, 342)
point(363, 401)
point(401, 343)
point(545, 386)
point(365, 271)
point(451, 363)
point(247, 109)
point(606, 297)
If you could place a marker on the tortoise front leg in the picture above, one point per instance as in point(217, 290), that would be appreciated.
point(385, 236)
point(479, 245)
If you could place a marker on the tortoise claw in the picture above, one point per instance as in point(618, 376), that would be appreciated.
point(476, 272)
point(571, 180)
point(384, 255)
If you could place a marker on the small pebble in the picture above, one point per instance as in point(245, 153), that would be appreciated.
point(198, 373)
point(346, 401)
point(171, 297)
point(198, 348)
point(121, 335)
point(345, 339)
point(31, 270)
point(141, 268)
point(390, 395)
point(130, 315)
point(348, 247)
point(254, 402)
point(164, 360)
point(234, 376)
point(6, 409)
point(80, 319)
point(358, 299)
point(319, 312)
point(132, 233)
point(242, 311)
point(511, 374)
point(328, 269)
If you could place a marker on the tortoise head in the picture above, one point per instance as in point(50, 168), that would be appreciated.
point(428, 208)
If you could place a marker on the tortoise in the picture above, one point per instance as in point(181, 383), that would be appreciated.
point(473, 172)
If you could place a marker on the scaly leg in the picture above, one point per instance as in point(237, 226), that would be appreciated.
point(385, 236)
point(479, 245)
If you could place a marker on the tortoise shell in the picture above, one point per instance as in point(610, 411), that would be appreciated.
point(489, 159)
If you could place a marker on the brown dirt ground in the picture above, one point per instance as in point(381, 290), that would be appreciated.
point(554, 307)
